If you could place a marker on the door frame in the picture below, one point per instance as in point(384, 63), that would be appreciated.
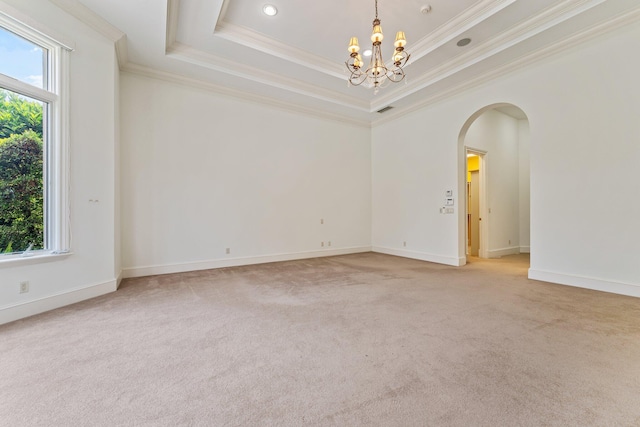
point(483, 251)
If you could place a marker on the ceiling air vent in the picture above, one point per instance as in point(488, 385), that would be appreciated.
point(385, 109)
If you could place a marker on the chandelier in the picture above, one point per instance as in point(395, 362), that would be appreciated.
point(377, 73)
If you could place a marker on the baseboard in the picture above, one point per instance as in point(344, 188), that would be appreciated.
point(119, 280)
point(586, 282)
point(525, 249)
point(497, 253)
point(236, 262)
point(423, 256)
point(31, 308)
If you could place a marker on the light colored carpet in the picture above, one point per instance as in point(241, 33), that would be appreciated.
point(364, 339)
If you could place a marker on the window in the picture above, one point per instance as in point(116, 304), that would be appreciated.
point(33, 143)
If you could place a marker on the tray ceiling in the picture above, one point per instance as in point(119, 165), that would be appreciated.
point(296, 58)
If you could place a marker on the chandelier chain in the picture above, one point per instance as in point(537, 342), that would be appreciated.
point(376, 9)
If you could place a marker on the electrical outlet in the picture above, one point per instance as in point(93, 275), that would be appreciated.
point(329, 243)
point(404, 244)
point(321, 221)
point(509, 241)
point(228, 251)
point(322, 244)
point(24, 287)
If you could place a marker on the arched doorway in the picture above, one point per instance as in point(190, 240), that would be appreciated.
point(494, 216)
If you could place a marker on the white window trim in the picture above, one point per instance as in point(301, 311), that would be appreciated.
point(39, 257)
point(11, 17)
point(57, 154)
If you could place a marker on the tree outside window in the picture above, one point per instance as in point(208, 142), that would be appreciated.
point(21, 173)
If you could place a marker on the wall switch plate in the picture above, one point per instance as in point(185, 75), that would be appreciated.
point(449, 193)
point(449, 201)
point(449, 210)
point(24, 287)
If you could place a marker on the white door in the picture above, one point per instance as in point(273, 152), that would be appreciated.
point(474, 214)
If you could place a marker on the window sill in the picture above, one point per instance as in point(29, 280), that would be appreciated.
point(19, 261)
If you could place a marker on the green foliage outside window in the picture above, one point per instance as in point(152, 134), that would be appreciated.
point(21, 173)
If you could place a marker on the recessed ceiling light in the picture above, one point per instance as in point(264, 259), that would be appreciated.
point(367, 52)
point(270, 10)
point(463, 42)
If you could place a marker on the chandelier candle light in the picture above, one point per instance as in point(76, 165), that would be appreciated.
point(377, 73)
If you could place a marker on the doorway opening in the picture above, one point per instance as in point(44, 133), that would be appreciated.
point(475, 203)
point(494, 180)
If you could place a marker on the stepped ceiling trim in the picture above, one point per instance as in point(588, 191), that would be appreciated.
point(139, 70)
point(252, 39)
point(460, 63)
point(483, 10)
point(524, 61)
point(552, 16)
point(204, 59)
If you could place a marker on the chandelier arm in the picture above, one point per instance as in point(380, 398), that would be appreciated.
point(357, 79)
point(396, 75)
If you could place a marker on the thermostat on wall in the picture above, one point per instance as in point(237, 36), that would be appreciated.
point(449, 201)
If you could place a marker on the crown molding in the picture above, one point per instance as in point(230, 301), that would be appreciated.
point(179, 51)
point(173, 9)
point(152, 73)
point(223, 12)
point(253, 40)
point(97, 23)
point(197, 57)
point(550, 17)
point(122, 51)
point(575, 40)
point(261, 43)
point(471, 17)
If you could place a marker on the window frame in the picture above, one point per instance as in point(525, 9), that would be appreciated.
point(56, 170)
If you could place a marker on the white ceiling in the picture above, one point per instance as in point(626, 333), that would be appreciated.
point(296, 58)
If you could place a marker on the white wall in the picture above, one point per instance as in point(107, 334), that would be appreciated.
point(117, 187)
point(582, 107)
point(202, 173)
point(497, 135)
point(524, 185)
point(89, 271)
point(412, 170)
